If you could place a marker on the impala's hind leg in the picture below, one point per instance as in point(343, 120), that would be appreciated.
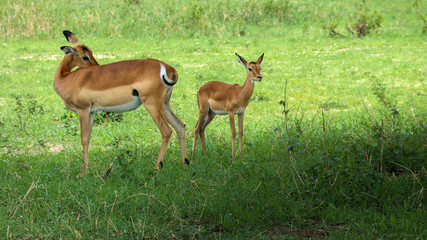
point(208, 119)
point(156, 113)
point(202, 116)
point(177, 125)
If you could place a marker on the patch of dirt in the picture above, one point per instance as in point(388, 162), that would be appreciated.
point(219, 229)
point(55, 148)
point(311, 232)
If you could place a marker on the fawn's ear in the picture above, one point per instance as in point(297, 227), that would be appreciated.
point(71, 37)
point(68, 50)
point(242, 61)
point(259, 61)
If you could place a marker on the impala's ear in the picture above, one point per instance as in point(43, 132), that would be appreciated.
point(68, 50)
point(259, 61)
point(242, 61)
point(71, 38)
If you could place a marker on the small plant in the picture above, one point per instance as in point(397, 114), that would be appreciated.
point(278, 9)
point(418, 10)
point(133, 2)
point(35, 108)
point(381, 92)
point(332, 104)
point(124, 154)
point(101, 117)
point(330, 24)
point(365, 22)
point(283, 102)
point(294, 124)
point(70, 120)
point(259, 98)
point(19, 109)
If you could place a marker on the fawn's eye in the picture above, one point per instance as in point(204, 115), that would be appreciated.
point(86, 58)
point(250, 69)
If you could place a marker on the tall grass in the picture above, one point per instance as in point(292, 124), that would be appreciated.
point(185, 18)
point(140, 18)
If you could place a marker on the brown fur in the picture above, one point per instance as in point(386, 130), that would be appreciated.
point(96, 86)
point(233, 99)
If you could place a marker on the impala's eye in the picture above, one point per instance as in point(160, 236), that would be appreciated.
point(250, 69)
point(86, 58)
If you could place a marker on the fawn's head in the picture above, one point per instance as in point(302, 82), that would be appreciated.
point(253, 68)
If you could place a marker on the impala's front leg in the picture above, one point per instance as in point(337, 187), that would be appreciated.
point(240, 123)
point(233, 133)
point(86, 119)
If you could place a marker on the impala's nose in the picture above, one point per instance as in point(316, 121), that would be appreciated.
point(260, 78)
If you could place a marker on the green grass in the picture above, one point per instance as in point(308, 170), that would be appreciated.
point(345, 161)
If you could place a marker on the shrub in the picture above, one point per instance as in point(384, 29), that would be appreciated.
point(365, 22)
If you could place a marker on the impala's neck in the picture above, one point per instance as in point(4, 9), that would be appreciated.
point(247, 88)
point(64, 68)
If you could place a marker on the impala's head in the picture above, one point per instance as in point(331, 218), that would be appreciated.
point(81, 55)
point(253, 68)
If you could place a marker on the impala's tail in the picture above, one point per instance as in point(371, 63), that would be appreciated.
point(164, 76)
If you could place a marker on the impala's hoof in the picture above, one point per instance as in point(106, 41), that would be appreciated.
point(187, 162)
point(83, 170)
point(83, 173)
point(161, 165)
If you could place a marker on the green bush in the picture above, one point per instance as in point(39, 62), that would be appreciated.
point(365, 22)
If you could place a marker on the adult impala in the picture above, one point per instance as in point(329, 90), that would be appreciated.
point(117, 87)
point(218, 98)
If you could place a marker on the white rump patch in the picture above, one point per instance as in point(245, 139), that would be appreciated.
point(164, 76)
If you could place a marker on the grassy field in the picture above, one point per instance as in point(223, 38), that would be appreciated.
point(335, 134)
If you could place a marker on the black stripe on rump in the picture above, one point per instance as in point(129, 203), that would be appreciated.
point(166, 82)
